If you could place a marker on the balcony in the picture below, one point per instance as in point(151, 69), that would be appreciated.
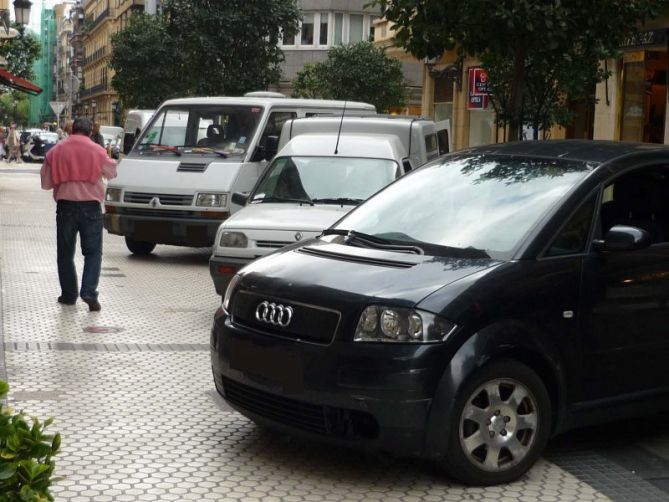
point(96, 89)
point(95, 56)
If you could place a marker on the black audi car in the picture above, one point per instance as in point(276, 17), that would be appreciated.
point(467, 312)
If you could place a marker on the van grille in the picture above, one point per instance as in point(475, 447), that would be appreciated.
point(273, 244)
point(164, 198)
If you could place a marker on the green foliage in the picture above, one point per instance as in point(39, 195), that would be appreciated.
point(358, 72)
point(201, 47)
point(14, 106)
point(26, 466)
point(146, 61)
point(21, 52)
point(538, 55)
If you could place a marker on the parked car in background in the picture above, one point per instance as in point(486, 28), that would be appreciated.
point(466, 312)
point(132, 127)
point(35, 143)
point(326, 167)
point(113, 137)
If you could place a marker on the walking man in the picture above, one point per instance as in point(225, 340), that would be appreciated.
point(13, 144)
point(74, 169)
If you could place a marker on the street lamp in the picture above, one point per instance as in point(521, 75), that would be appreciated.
point(22, 11)
point(94, 106)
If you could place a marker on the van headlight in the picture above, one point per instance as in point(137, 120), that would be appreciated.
point(398, 325)
point(113, 195)
point(228, 293)
point(233, 240)
point(211, 199)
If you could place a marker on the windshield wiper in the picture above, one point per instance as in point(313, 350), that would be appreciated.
point(372, 241)
point(271, 198)
point(200, 149)
point(162, 148)
point(338, 200)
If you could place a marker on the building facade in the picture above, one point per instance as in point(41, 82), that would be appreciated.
point(40, 110)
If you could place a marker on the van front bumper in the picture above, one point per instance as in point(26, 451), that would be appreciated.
point(175, 230)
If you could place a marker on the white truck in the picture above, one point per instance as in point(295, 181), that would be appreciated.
point(326, 166)
point(174, 186)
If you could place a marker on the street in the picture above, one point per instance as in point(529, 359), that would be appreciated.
point(131, 391)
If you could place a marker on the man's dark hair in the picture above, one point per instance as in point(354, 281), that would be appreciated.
point(82, 126)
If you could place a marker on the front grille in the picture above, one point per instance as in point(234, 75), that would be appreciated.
point(165, 199)
point(325, 420)
point(298, 414)
point(309, 322)
point(156, 213)
point(273, 244)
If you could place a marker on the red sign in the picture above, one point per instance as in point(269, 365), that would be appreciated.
point(478, 89)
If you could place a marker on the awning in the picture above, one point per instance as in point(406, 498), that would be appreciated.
point(18, 83)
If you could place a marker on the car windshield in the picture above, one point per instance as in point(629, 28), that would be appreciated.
point(217, 130)
point(485, 204)
point(324, 180)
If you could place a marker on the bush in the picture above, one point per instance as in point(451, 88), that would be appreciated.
point(26, 465)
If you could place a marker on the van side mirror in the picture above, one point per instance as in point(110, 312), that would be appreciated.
point(240, 198)
point(623, 238)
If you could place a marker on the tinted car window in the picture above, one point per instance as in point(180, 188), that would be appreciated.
point(485, 202)
point(574, 236)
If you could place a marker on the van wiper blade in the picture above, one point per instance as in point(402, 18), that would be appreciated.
point(361, 239)
point(338, 200)
point(207, 149)
point(162, 148)
point(272, 198)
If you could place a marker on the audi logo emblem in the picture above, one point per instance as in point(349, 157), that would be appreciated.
point(275, 314)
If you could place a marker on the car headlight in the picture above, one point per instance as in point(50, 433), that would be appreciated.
point(233, 240)
point(211, 199)
point(228, 293)
point(390, 324)
point(113, 195)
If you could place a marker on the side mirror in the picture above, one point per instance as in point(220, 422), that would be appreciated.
point(240, 198)
point(623, 238)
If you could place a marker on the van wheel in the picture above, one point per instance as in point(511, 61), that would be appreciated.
point(500, 425)
point(139, 247)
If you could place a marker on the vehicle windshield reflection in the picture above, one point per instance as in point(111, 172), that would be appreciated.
point(324, 180)
point(483, 204)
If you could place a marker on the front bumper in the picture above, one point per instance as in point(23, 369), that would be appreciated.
point(369, 396)
point(223, 269)
point(193, 232)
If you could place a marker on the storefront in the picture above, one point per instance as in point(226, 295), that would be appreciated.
point(632, 103)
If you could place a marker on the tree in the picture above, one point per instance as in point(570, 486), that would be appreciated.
point(359, 72)
point(537, 54)
point(146, 62)
point(21, 52)
point(14, 107)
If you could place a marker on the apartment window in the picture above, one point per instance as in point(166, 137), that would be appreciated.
point(338, 29)
point(371, 26)
point(307, 30)
point(355, 28)
point(323, 36)
point(288, 39)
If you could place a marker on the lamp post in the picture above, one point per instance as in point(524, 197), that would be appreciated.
point(94, 105)
point(22, 11)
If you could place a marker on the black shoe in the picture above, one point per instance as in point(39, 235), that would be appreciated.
point(93, 304)
point(65, 301)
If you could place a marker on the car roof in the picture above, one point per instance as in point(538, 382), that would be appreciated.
point(264, 101)
point(589, 151)
point(376, 146)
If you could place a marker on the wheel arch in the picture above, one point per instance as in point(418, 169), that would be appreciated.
point(507, 340)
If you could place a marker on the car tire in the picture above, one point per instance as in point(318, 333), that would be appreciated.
point(501, 422)
point(139, 247)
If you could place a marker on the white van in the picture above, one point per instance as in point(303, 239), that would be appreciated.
point(132, 127)
point(316, 178)
point(174, 186)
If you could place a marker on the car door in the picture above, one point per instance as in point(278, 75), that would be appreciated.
point(624, 308)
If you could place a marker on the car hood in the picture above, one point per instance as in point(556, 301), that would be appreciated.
point(324, 273)
point(286, 216)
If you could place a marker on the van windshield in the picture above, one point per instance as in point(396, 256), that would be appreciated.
point(324, 180)
point(222, 130)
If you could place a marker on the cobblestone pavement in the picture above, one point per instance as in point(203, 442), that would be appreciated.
point(131, 391)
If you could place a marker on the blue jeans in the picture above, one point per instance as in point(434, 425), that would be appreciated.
point(84, 218)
